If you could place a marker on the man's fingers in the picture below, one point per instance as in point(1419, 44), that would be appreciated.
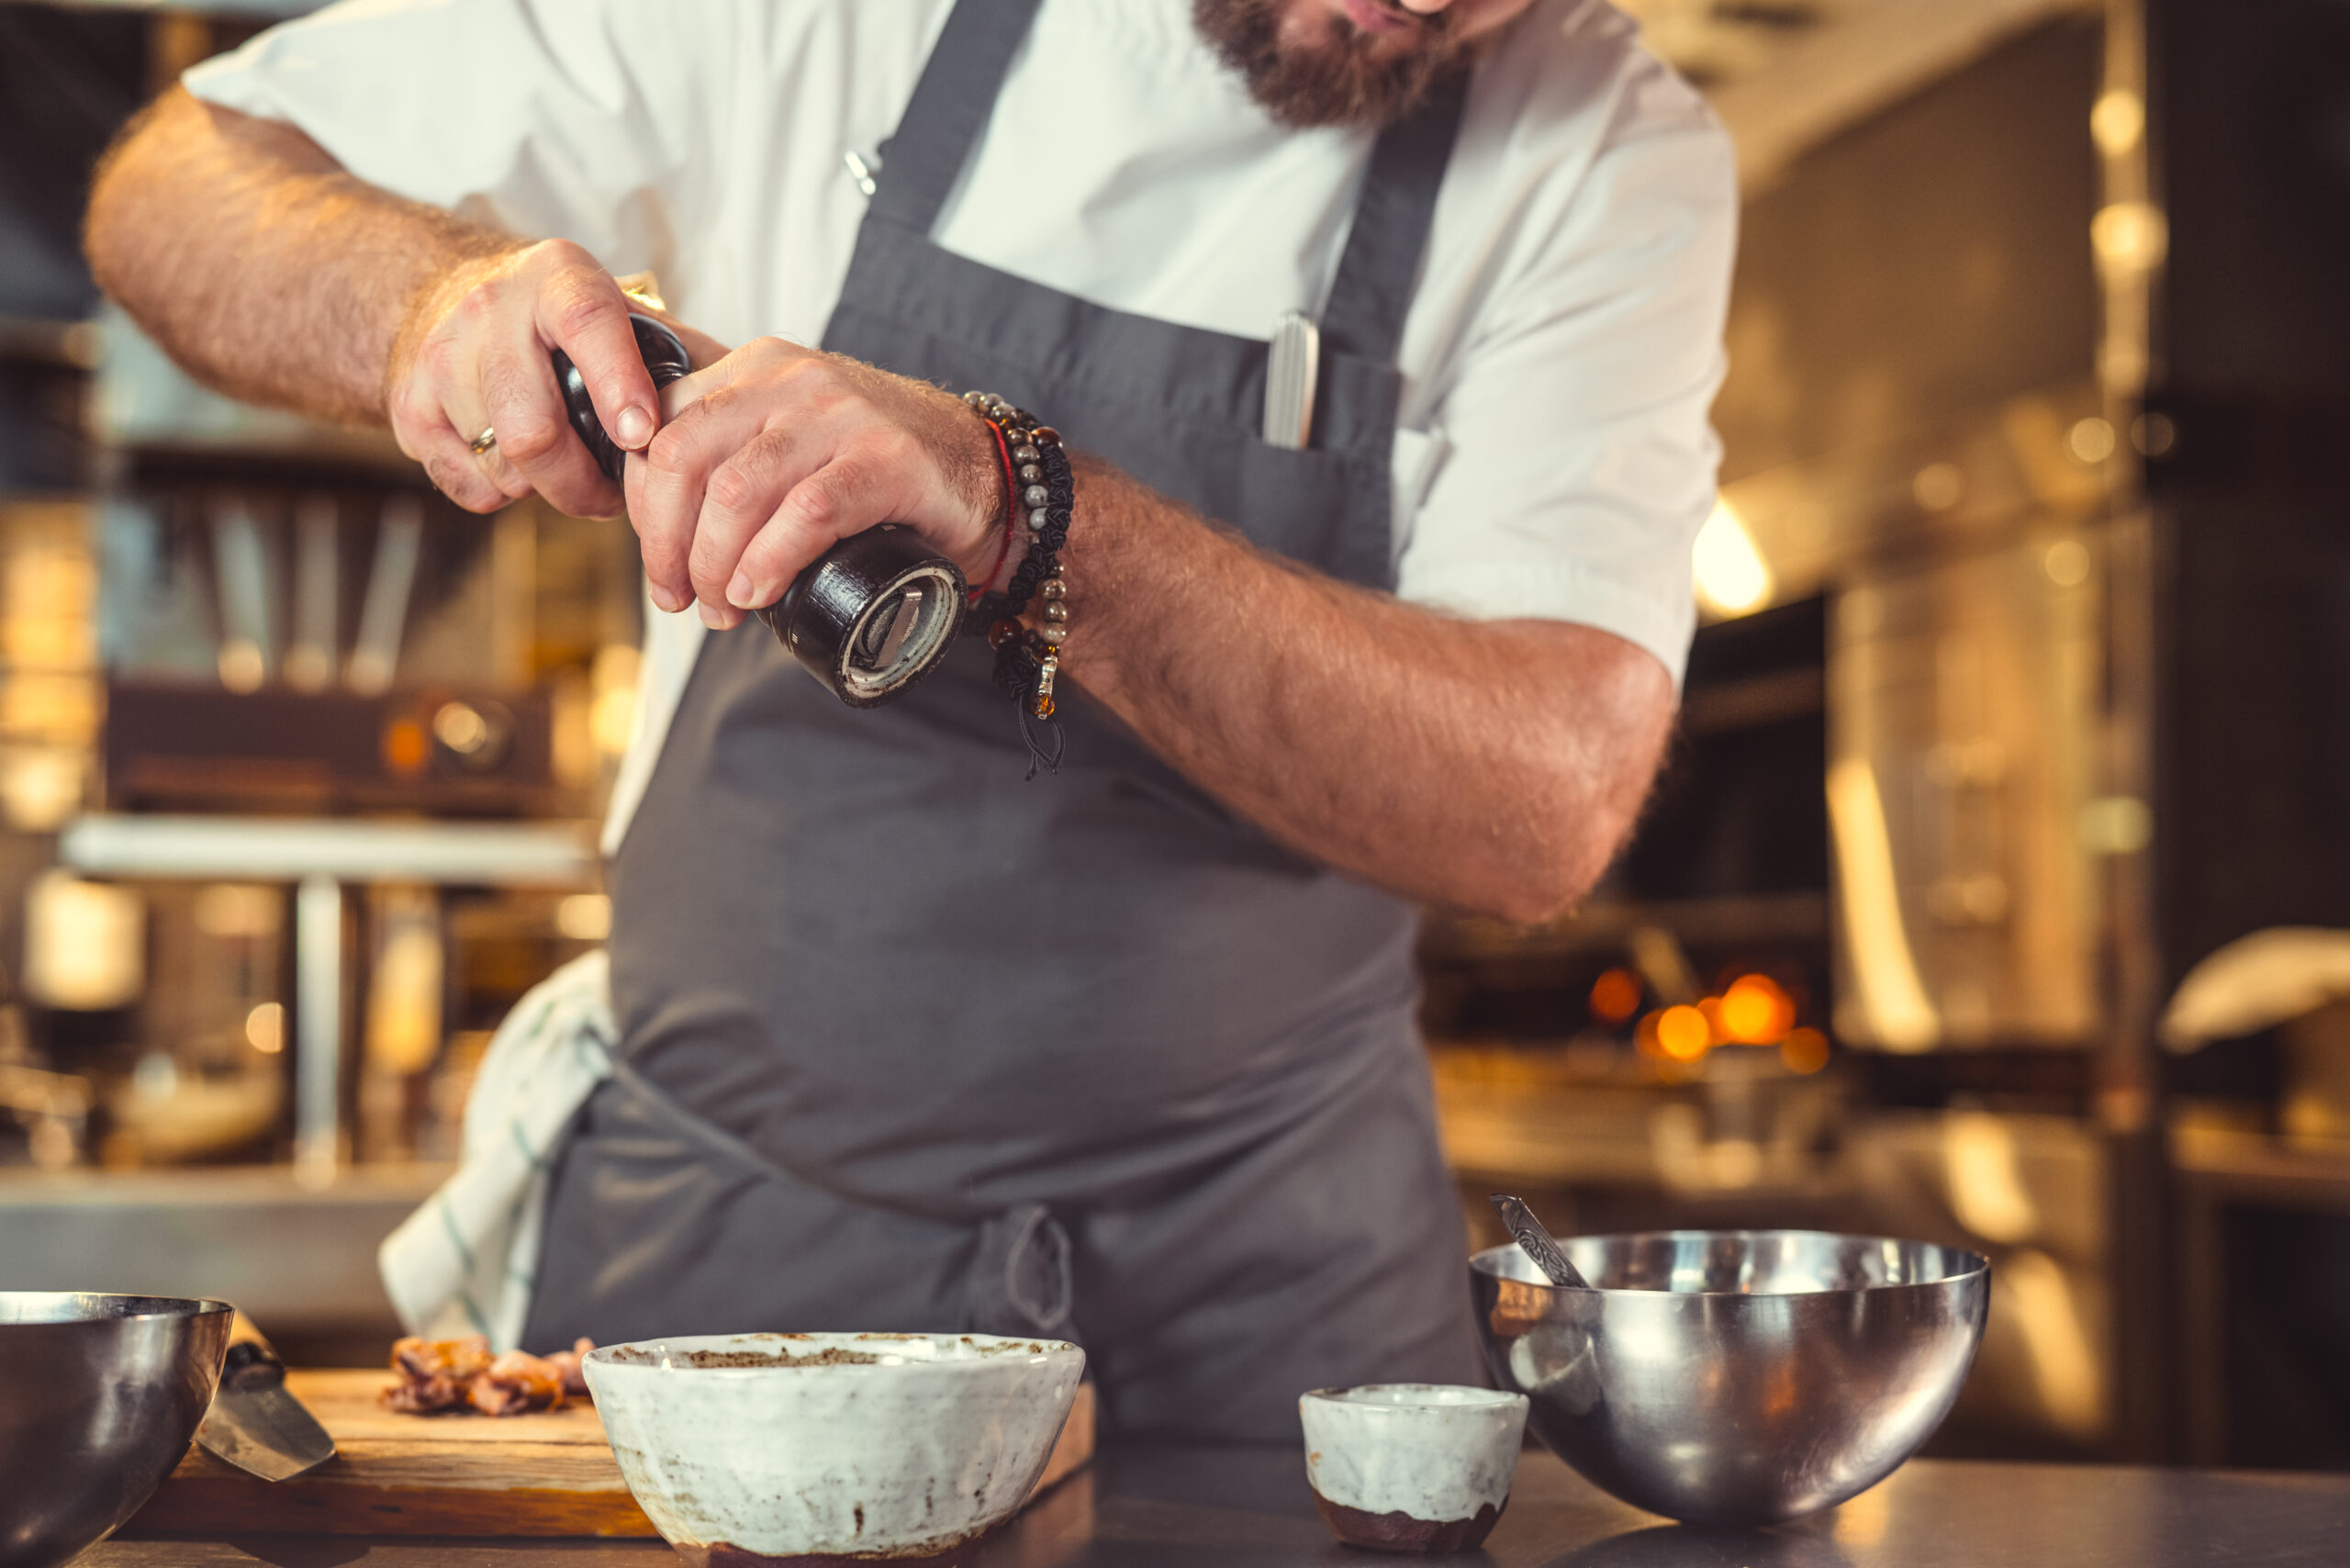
point(583, 312)
point(488, 460)
point(667, 490)
point(741, 496)
point(522, 404)
point(465, 413)
point(759, 357)
point(430, 431)
point(846, 496)
point(454, 471)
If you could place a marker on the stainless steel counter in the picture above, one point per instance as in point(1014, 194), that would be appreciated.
point(288, 1254)
point(1168, 1507)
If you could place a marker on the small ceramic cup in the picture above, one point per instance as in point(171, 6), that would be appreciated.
point(1412, 1466)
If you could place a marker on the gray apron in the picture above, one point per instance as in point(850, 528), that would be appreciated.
point(910, 1043)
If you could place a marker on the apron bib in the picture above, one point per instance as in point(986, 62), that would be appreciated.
point(910, 1043)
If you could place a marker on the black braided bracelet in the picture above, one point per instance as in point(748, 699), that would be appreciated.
point(1043, 491)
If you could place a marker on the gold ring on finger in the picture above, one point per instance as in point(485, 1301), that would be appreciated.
point(484, 442)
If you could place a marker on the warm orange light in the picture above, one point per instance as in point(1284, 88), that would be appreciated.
point(1614, 996)
point(1683, 1034)
point(1806, 1050)
point(406, 749)
point(1754, 1011)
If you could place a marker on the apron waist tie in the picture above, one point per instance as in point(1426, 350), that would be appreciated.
point(1019, 1283)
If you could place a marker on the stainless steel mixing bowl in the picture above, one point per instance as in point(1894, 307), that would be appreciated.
point(1735, 1377)
point(100, 1396)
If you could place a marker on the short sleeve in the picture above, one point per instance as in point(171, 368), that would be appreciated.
point(594, 120)
point(1573, 459)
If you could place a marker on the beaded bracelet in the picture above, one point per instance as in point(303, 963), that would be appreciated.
point(1042, 490)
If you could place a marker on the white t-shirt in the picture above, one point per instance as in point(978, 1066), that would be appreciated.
point(1554, 458)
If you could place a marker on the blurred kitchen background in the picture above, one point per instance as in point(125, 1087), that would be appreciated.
point(2022, 700)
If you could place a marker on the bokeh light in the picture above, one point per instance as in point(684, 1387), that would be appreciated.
point(1804, 1051)
point(1683, 1034)
point(1614, 996)
point(1754, 1011)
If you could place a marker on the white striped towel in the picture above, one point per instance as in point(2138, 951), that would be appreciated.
point(462, 1264)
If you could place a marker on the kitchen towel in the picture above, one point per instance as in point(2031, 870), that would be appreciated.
point(462, 1264)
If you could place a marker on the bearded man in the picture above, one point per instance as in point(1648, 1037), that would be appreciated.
point(1390, 616)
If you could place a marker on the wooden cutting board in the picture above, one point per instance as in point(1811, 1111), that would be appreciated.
point(547, 1473)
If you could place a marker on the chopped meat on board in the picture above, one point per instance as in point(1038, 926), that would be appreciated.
point(461, 1374)
point(516, 1381)
point(436, 1375)
point(567, 1362)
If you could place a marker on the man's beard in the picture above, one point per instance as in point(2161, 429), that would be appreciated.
point(1347, 78)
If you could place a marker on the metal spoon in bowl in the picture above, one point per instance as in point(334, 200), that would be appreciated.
point(1547, 1254)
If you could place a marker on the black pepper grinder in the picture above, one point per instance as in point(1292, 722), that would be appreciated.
point(871, 616)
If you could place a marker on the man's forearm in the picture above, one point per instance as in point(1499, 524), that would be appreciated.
point(265, 269)
point(1493, 766)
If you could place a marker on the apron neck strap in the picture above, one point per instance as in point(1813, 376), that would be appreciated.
point(956, 98)
point(950, 109)
point(1381, 266)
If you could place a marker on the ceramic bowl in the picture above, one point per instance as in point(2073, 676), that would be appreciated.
point(760, 1448)
point(1412, 1466)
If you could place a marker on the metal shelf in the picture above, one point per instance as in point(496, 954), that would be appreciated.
point(321, 856)
point(292, 849)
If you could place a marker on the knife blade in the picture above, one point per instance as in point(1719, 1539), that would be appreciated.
point(253, 1423)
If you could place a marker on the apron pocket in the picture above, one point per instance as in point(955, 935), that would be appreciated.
point(1020, 1284)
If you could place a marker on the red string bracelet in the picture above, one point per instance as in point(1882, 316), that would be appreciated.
point(1011, 513)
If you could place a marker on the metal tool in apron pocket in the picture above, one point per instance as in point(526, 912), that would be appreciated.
point(1292, 369)
point(870, 617)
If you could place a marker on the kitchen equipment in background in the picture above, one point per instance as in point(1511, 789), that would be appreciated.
point(247, 594)
point(400, 1038)
point(85, 944)
point(1965, 703)
point(888, 1445)
point(85, 976)
point(317, 594)
point(870, 617)
point(174, 747)
point(101, 1395)
point(207, 1076)
point(2031, 1191)
point(254, 1424)
point(321, 858)
point(164, 1113)
point(51, 1108)
point(48, 688)
point(2316, 1107)
point(382, 614)
point(1827, 1361)
point(2296, 980)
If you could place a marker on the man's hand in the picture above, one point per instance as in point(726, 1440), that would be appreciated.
point(777, 452)
point(473, 356)
point(272, 275)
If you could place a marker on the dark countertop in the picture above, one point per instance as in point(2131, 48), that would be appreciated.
point(1170, 1508)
